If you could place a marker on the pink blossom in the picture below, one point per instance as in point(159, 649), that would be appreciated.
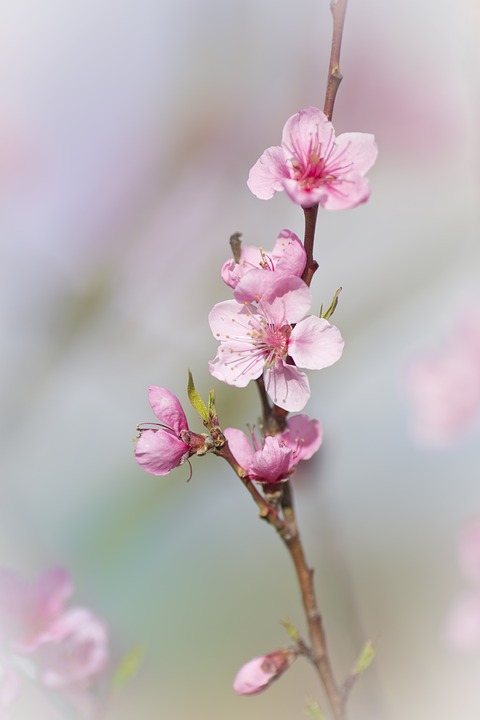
point(288, 257)
point(270, 462)
point(170, 443)
point(313, 166)
point(264, 329)
point(77, 652)
point(304, 435)
point(259, 673)
point(27, 610)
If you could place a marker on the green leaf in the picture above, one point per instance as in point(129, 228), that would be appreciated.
point(195, 399)
point(313, 710)
point(366, 657)
point(293, 632)
point(127, 668)
point(331, 309)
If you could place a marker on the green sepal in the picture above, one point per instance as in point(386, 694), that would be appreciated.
point(127, 668)
point(195, 399)
point(366, 657)
point(331, 308)
point(293, 632)
point(313, 710)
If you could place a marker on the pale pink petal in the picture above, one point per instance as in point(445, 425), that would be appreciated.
point(272, 463)
point(360, 149)
point(289, 255)
point(167, 408)
point(469, 550)
point(50, 593)
point(304, 435)
point(78, 651)
point(315, 344)
point(259, 673)
point(236, 364)
point(287, 386)
point(230, 318)
point(158, 452)
point(265, 177)
point(231, 273)
point(287, 298)
point(306, 129)
point(306, 197)
point(240, 446)
point(347, 192)
point(462, 627)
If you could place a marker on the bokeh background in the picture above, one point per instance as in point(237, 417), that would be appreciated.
point(127, 130)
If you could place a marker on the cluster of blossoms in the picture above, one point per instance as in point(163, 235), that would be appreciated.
point(443, 385)
point(265, 333)
point(62, 649)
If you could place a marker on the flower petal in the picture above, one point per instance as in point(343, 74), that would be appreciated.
point(288, 254)
point(265, 177)
point(158, 452)
point(287, 386)
point(345, 192)
point(240, 447)
point(167, 408)
point(360, 148)
point(304, 435)
point(315, 344)
point(306, 130)
point(272, 463)
point(236, 363)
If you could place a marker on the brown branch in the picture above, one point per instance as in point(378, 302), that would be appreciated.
point(308, 241)
point(338, 9)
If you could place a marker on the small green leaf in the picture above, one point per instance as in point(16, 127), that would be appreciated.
point(293, 632)
point(127, 668)
point(313, 710)
point(211, 402)
point(195, 399)
point(331, 309)
point(366, 657)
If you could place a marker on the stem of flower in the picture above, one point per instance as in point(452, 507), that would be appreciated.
point(338, 9)
point(308, 241)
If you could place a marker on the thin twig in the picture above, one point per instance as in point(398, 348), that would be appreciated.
point(338, 9)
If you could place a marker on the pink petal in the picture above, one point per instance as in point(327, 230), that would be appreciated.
point(315, 344)
point(306, 197)
point(307, 127)
point(360, 149)
point(158, 452)
point(289, 254)
point(50, 593)
point(285, 299)
point(236, 364)
point(240, 446)
point(345, 193)
point(167, 408)
point(229, 318)
point(303, 435)
point(287, 386)
point(78, 651)
point(265, 177)
point(259, 673)
point(272, 463)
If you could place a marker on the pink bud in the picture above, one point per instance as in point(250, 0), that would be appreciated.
point(257, 674)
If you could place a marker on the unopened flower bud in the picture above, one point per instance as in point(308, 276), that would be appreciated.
point(257, 674)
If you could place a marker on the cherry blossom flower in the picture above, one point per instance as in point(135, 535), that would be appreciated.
point(259, 673)
point(288, 257)
point(462, 626)
point(275, 459)
point(170, 443)
point(313, 166)
point(27, 610)
point(77, 654)
point(265, 330)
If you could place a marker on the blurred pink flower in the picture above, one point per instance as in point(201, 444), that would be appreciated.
point(304, 435)
point(77, 652)
point(27, 610)
point(462, 626)
point(443, 386)
point(264, 329)
point(259, 673)
point(288, 257)
point(313, 166)
point(168, 445)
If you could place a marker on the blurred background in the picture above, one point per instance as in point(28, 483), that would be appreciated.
point(127, 131)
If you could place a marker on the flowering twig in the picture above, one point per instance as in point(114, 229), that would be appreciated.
point(338, 8)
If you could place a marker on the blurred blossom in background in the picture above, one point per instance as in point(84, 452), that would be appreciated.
point(127, 131)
